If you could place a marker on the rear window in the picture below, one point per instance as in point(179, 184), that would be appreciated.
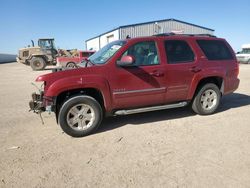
point(215, 49)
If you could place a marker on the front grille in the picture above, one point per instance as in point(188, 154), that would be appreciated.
point(25, 53)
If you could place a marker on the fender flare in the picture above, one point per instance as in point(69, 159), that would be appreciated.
point(81, 82)
point(39, 55)
point(197, 78)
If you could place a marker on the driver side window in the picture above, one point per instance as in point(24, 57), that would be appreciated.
point(145, 53)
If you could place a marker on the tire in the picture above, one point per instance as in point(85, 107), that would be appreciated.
point(71, 65)
point(37, 63)
point(80, 116)
point(207, 100)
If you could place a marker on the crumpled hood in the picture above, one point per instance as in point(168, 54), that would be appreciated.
point(69, 73)
point(61, 73)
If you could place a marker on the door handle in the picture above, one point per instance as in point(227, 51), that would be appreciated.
point(195, 69)
point(157, 73)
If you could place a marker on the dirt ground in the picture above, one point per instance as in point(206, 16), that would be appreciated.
point(169, 148)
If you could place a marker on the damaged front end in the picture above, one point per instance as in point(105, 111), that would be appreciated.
point(41, 103)
point(36, 104)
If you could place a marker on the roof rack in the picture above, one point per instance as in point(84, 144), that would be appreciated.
point(165, 34)
point(191, 35)
point(201, 35)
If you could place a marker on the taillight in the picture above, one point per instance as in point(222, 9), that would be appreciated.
point(235, 71)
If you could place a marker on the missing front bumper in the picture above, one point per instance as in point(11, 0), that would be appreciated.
point(36, 104)
point(39, 103)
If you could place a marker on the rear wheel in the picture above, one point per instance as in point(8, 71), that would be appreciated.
point(71, 65)
point(37, 63)
point(80, 116)
point(207, 99)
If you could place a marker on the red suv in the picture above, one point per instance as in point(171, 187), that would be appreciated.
point(138, 75)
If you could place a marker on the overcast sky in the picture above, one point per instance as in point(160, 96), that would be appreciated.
point(72, 22)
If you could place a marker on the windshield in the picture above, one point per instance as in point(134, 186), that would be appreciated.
point(106, 52)
point(245, 51)
point(46, 44)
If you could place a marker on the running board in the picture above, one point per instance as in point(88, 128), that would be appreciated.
point(148, 109)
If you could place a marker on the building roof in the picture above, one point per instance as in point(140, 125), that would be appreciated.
point(144, 23)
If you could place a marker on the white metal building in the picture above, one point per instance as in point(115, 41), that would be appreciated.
point(145, 29)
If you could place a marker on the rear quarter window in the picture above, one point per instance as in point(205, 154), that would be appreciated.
point(215, 50)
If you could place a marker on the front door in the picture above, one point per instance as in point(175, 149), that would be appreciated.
point(142, 84)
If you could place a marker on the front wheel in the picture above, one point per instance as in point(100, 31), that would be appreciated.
point(207, 100)
point(37, 63)
point(80, 116)
point(71, 65)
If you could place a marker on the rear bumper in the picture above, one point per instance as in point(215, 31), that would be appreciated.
point(36, 104)
point(243, 60)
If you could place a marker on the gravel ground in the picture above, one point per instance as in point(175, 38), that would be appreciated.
point(169, 148)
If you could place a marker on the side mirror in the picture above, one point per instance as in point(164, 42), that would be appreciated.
point(126, 61)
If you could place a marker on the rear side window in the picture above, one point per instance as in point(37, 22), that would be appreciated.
point(178, 52)
point(215, 50)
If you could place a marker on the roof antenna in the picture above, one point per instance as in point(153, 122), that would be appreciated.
point(128, 37)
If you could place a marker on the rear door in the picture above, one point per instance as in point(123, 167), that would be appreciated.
point(181, 67)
